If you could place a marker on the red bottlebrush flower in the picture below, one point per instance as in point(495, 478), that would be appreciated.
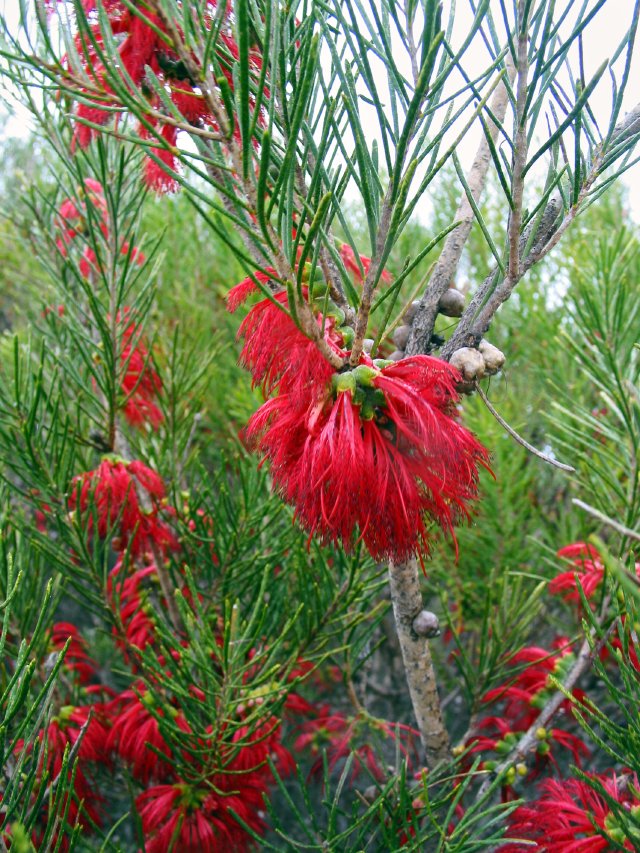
point(359, 266)
point(72, 223)
point(62, 732)
point(135, 736)
point(527, 693)
point(140, 382)
point(239, 294)
point(140, 45)
point(77, 660)
point(196, 819)
point(497, 735)
point(341, 736)
point(587, 572)
point(114, 491)
point(160, 176)
point(135, 613)
point(374, 456)
point(572, 817)
point(277, 353)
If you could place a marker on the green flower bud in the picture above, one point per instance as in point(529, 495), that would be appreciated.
point(365, 375)
point(344, 382)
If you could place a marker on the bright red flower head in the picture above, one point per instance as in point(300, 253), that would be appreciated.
point(135, 736)
point(140, 382)
point(527, 692)
point(198, 819)
point(61, 734)
point(77, 660)
point(113, 495)
point(376, 456)
point(571, 816)
point(141, 45)
point(359, 266)
point(586, 572)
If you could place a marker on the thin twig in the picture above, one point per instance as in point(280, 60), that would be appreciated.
point(620, 528)
point(444, 271)
point(519, 438)
point(530, 739)
point(551, 226)
point(406, 597)
point(520, 146)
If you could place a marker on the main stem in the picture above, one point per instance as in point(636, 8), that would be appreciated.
point(406, 597)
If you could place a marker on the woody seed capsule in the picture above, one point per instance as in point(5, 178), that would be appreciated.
point(451, 303)
point(401, 336)
point(493, 358)
point(469, 362)
point(426, 624)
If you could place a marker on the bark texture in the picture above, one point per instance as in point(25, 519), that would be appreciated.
point(404, 583)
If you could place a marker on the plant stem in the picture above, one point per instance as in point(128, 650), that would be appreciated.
point(551, 226)
point(584, 659)
point(447, 264)
point(406, 598)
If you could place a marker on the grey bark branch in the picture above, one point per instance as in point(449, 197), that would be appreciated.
point(404, 584)
point(529, 741)
point(404, 578)
point(551, 226)
point(447, 264)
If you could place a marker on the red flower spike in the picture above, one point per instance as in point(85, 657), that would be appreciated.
point(587, 572)
point(76, 660)
point(140, 382)
point(390, 450)
point(359, 270)
point(136, 739)
point(196, 819)
point(526, 694)
point(140, 45)
point(278, 354)
point(239, 294)
point(570, 816)
point(158, 176)
point(63, 732)
point(112, 489)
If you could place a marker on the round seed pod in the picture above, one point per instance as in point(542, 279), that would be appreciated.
point(398, 355)
point(451, 303)
point(493, 357)
point(401, 336)
point(412, 310)
point(367, 344)
point(426, 624)
point(469, 362)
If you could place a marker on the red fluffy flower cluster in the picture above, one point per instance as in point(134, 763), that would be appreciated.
point(570, 815)
point(144, 45)
point(586, 573)
point(144, 727)
point(123, 500)
point(73, 222)
point(139, 381)
point(517, 705)
point(372, 454)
